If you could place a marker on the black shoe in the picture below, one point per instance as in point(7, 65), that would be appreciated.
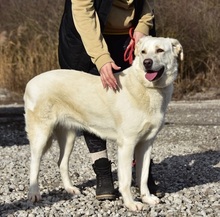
point(104, 182)
point(153, 188)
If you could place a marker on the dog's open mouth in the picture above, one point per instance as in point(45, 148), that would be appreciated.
point(154, 75)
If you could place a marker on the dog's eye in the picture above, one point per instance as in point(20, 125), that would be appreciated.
point(159, 50)
point(143, 52)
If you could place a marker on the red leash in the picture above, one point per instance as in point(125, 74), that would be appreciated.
point(128, 54)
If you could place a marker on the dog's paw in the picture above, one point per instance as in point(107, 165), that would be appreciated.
point(150, 199)
point(34, 196)
point(135, 206)
point(73, 190)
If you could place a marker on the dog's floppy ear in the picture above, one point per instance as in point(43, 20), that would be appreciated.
point(138, 45)
point(177, 48)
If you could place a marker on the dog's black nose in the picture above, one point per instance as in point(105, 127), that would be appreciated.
point(148, 63)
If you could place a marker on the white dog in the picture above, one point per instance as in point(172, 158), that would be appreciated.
point(60, 102)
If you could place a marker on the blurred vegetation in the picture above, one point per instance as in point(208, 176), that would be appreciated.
point(29, 40)
point(196, 25)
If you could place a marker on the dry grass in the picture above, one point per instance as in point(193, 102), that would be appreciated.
point(29, 39)
point(196, 25)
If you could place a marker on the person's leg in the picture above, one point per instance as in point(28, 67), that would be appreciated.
point(101, 166)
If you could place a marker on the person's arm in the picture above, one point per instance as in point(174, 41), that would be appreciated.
point(145, 22)
point(88, 26)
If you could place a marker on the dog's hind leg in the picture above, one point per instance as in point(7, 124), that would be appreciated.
point(142, 156)
point(125, 157)
point(66, 138)
point(40, 141)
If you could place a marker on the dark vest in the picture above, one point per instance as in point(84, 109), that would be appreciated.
point(71, 52)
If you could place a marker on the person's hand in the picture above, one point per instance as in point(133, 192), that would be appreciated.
point(107, 77)
point(137, 36)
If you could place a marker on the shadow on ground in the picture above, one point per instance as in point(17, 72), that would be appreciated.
point(12, 126)
point(178, 172)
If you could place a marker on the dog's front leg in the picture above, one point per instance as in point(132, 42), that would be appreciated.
point(142, 156)
point(125, 156)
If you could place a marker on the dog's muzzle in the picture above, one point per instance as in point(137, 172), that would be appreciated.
point(152, 75)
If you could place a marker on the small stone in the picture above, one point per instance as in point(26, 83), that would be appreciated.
point(21, 187)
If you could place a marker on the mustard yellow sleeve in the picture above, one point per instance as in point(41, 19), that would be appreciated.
point(88, 26)
point(145, 22)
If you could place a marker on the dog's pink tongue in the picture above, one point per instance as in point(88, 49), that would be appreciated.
point(150, 76)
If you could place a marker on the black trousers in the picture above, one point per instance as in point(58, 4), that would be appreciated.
point(81, 62)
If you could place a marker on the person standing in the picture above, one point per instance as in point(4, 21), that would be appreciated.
point(93, 36)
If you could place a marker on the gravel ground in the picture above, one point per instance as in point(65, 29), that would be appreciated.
point(186, 159)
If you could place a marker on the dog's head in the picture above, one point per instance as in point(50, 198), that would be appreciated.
point(156, 59)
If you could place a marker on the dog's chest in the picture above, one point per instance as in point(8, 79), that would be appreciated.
point(152, 124)
point(153, 118)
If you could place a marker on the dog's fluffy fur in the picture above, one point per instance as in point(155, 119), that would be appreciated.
point(60, 102)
